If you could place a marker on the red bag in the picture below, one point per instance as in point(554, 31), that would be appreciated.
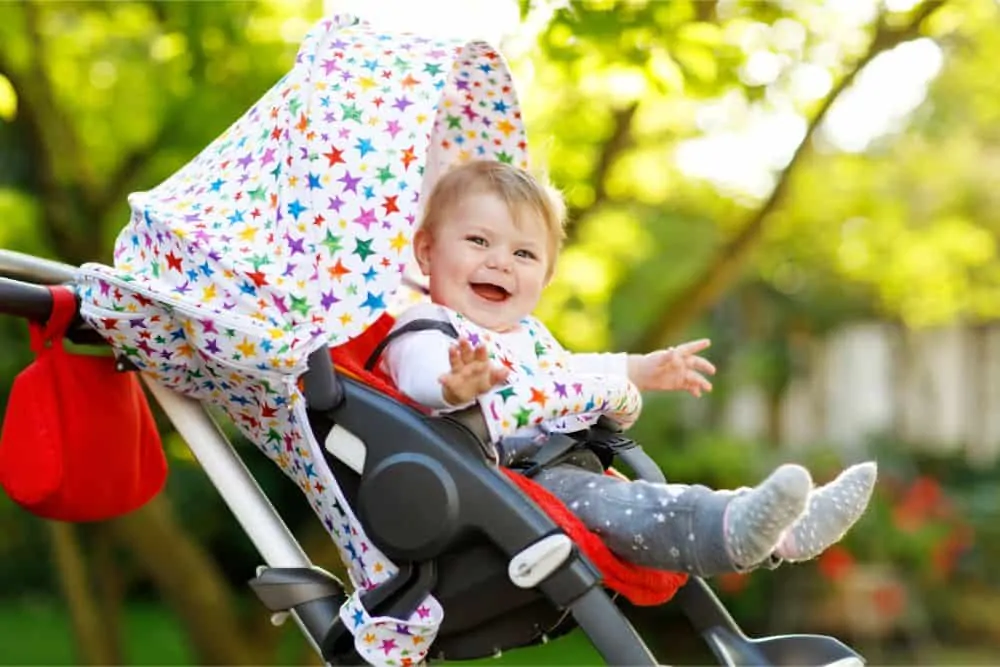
point(78, 441)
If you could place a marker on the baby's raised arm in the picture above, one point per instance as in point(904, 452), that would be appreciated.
point(678, 368)
point(439, 372)
point(673, 369)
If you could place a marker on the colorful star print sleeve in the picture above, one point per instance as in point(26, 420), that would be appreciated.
point(288, 233)
point(544, 388)
point(563, 401)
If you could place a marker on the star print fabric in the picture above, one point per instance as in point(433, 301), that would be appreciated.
point(290, 232)
point(542, 391)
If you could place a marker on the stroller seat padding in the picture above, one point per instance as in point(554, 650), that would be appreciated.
point(640, 585)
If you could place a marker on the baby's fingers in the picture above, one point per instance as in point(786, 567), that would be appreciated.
point(466, 350)
point(694, 346)
point(498, 375)
point(491, 377)
point(455, 357)
point(460, 354)
point(696, 383)
point(480, 374)
point(702, 365)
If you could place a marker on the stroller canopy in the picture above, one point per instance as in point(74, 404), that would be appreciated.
point(294, 225)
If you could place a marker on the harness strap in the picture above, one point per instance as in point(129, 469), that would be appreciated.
point(553, 450)
point(606, 440)
point(413, 326)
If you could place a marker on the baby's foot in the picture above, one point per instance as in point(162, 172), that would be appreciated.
point(756, 519)
point(832, 510)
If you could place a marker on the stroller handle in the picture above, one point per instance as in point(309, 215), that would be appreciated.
point(21, 299)
point(23, 292)
point(22, 284)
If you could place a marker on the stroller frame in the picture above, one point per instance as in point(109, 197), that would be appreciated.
point(290, 584)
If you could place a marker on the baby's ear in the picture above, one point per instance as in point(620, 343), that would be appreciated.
point(422, 250)
point(551, 272)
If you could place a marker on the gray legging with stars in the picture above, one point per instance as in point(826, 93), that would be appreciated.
point(675, 527)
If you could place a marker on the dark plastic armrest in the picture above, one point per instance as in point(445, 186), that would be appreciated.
point(643, 465)
point(321, 385)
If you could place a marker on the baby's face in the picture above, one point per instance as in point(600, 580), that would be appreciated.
point(483, 265)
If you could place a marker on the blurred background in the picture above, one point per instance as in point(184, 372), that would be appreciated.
point(811, 184)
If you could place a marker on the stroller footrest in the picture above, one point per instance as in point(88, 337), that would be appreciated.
point(313, 595)
point(285, 588)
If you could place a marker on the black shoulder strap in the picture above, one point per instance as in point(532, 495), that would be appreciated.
point(410, 327)
point(552, 451)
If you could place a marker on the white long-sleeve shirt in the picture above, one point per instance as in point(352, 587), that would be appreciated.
point(416, 361)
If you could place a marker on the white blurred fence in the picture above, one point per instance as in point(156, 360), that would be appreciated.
point(938, 389)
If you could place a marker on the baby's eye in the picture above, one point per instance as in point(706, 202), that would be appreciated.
point(477, 240)
point(526, 254)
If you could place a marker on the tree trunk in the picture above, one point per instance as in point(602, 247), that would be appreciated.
point(617, 143)
point(725, 267)
point(94, 645)
point(110, 584)
point(189, 582)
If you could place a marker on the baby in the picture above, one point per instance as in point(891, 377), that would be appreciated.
point(488, 244)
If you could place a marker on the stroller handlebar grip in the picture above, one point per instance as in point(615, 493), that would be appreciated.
point(21, 299)
point(22, 284)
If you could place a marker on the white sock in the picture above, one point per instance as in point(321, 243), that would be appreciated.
point(832, 509)
point(756, 519)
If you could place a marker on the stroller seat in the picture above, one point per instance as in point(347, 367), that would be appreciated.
point(464, 567)
point(430, 531)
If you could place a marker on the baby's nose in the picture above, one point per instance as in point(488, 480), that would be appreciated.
point(500, 261)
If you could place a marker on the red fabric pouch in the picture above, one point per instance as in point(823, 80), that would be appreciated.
point(78, 441)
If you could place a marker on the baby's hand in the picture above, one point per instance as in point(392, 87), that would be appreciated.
point(471, 373)
point(676, 368)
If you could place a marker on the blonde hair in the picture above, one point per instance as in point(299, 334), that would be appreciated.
point(518, 189)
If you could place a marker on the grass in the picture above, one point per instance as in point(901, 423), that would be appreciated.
point(39, 633)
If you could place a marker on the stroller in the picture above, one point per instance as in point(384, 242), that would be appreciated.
point(285, 239)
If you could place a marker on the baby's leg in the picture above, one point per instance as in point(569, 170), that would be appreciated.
point(832, 509)
point(683, 528)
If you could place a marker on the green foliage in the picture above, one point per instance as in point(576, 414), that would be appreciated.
point(913, 220)
point(105, 98)
point(124, 93)
point(39, 632)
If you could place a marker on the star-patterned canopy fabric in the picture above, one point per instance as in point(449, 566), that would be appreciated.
point(290, 232)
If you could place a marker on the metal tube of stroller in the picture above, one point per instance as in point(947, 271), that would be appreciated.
point(260, 521)
point(230, 476)
point(35, 269)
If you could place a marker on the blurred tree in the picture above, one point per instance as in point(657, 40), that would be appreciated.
point(97, 643)
point(97, 99)
point(911, 217)
point(639, 77)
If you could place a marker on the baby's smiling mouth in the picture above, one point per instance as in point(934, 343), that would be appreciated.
point(490, 292)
